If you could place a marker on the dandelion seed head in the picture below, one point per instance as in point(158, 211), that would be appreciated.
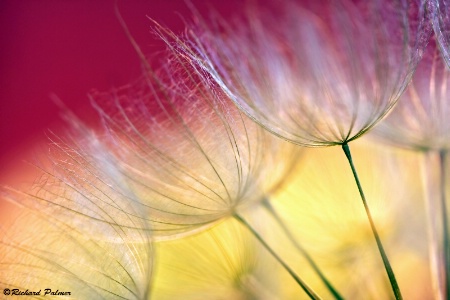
point(316, 76)
point(174, 157)
point(53, 251)
point(188, 155)
point(419, 121)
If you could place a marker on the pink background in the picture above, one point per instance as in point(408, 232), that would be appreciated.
point(69, 48)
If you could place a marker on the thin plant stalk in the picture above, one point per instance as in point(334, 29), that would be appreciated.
point(288, 233)
point(308, 290)
point(433, 178)
point(387, 265)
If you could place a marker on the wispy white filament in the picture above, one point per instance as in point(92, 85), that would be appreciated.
point(440, 11)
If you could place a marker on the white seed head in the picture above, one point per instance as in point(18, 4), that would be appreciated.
point(420, 120)
point(42, 252)
point(314, 76)
point(187, 155)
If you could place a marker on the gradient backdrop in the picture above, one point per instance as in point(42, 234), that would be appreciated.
point(69, 48)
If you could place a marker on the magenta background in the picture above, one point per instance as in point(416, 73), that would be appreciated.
point(68, 48)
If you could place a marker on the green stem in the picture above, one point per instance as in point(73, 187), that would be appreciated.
point(387, 265)
point(442, 156)
point(300, 282)
point(302, 250)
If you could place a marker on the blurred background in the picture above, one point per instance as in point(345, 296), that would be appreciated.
point(69, 48)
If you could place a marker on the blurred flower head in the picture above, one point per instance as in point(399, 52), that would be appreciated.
point(419, 121)
point(314, 74)
point(221, 263)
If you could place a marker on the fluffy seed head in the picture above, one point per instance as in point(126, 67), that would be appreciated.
point(316, 75)
point(80, 232)
point(419, 121)
point(186, 153)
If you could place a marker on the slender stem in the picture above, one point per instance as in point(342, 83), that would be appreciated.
point(433, 182)
point(302, 250)
point(300, 282)
point(387, 265)
point(442, 156)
